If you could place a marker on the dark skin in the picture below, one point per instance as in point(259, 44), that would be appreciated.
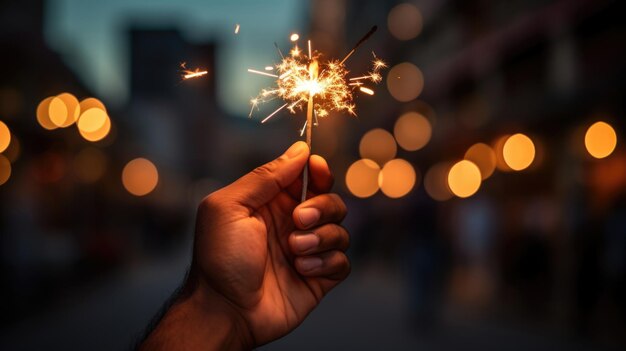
point(262, 260)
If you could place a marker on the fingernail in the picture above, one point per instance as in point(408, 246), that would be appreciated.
point(308, 264)
point(306, 242)
point(308, 216)
point(296, 149)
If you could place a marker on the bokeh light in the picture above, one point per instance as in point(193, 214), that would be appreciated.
point(397, 178)
point(498, 148)
point(600, 139)
point(140, 177)
point(405, 82)
point(14, 150)
point(72, 109)
point(436, 181)
point(464, 179)
point(43, 114)
point(362, 178)
point(405, 21)
point(412, 131)
point(484, 157)
point(5, 136)
point(94, 117)
point(378, 145)
point(57, 111)
point(5, 169)
point(92, 120)
point(90, 165)
point(90, 103)
point(518, 152)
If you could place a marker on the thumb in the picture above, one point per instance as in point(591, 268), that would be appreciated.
point(260, 186)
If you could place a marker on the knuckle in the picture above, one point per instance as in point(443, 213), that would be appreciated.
point(209, 203)
point(339, 206)
point(265, 171)
point(346, 268)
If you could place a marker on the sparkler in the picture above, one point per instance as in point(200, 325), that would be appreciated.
point(323, 86)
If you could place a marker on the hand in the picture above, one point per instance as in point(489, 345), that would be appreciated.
point(262, 260)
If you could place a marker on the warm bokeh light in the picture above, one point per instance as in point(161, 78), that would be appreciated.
point(482, 156)
point(90, 103)
point(43, 115)
point(464, 178)
point(405, 82)
point(72, 109)
point(600, 139)
point(94, 118)
point(90, 165)
point(13, 151)
point(397, 178)
point(518, 152)
point(5, 169)
point(294, 37)
point(57, 111)
point(412, 131)
point(362, 178)
point(436, 181)
point(378, 145)
point(405, 21)
point(140, 177)
point(5, 136)
point(498, 147)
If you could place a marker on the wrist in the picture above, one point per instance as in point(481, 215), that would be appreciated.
point(215, 307)
point(200, 319)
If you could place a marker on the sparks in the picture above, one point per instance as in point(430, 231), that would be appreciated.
point(300, 78)
point(187, 74)
point(237, 28)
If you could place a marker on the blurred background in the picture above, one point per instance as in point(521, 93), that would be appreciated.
point(485, 179)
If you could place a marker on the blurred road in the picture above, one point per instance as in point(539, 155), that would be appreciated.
point(368, 312)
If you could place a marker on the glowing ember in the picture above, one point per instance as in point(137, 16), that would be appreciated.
point(187, 74)
point(237, 29)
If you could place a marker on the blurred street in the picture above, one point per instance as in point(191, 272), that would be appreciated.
point(371, 307)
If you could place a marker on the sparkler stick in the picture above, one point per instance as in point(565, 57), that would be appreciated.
point(365, 37)
point(313, 74)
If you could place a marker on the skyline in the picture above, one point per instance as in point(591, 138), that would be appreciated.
point(91, 37)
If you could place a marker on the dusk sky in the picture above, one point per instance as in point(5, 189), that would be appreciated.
point(91, 36)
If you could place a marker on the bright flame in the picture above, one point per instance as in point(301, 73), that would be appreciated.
point(300, 77)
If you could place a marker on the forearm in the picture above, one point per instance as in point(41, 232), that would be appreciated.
point(199, 320)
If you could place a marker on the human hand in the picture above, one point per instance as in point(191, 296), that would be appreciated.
point(262, 260)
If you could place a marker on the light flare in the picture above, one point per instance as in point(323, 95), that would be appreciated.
point(188, 74)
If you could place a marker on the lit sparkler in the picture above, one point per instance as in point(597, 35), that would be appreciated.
point(324, 86)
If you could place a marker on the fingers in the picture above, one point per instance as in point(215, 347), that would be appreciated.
point(321, 239)
point(321, 179)
point(322, 209)
point(331, 264)
point(262, 184)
